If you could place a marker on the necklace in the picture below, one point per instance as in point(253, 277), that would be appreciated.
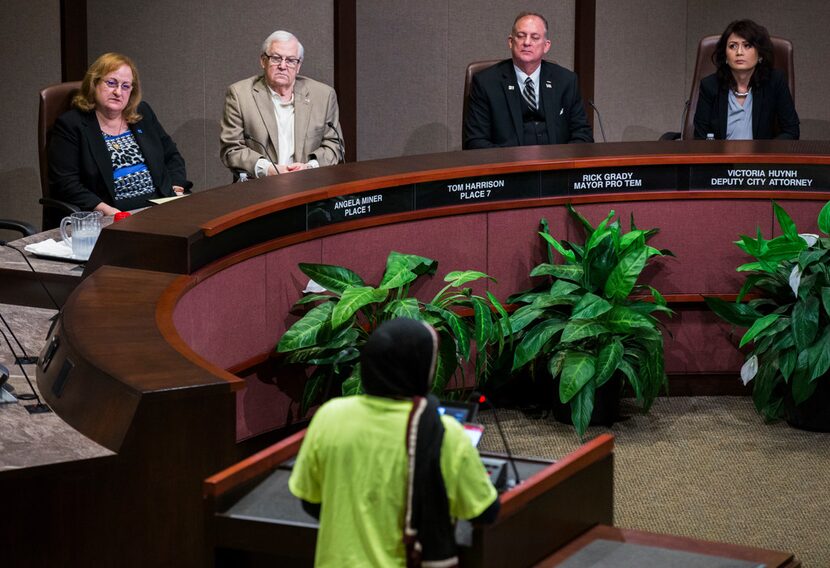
point(740, 94)
point(115, 143)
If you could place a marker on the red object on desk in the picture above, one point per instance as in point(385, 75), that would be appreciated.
point(121, 215)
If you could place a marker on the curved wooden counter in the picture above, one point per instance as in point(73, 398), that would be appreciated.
point(176, 295)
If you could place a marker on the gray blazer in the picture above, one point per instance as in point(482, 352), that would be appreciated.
point(249, 110)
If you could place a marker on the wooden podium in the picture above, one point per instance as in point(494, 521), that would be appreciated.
point(252, 518)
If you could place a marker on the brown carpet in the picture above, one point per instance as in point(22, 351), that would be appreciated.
point(707, 468)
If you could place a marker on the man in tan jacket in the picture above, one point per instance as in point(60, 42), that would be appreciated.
point(280, 122)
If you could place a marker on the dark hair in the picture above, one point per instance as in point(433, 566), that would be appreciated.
point(758, 37)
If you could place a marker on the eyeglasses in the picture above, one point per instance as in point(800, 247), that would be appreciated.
point(113, 84)
point(275, 60)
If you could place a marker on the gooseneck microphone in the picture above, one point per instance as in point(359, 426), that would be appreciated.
point(342, 159)
point(264, 150)
point(599, 117)
point(683, 119)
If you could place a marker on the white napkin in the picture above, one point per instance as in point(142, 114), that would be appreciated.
point(51, 247)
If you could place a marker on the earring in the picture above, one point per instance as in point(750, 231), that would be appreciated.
point(760, 60)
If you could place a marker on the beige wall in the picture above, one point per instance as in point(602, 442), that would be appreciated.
point(646, 49)
point(31, 60)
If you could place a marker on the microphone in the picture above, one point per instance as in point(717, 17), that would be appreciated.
point(481, 400)
point(683, 119)
point(264, 150)
point(599, 116)
point(342, 159)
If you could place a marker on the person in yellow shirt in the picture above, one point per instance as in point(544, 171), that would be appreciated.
point(384, 473)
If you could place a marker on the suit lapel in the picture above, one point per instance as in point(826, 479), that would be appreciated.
point(98, 148)
point(550, 95)
point(723, 113)
point(757, 101)
point(262, 99)
point(512, 94)
point(302, 114)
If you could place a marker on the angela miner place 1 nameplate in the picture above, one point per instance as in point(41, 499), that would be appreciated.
point(358, 205)
point(760, 177)
point(523, 185)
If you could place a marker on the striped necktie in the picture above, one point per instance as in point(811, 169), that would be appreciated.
point(529, 93)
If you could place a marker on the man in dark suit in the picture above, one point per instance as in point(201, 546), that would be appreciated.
point(524, 100)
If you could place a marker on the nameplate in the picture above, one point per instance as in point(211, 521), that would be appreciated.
point(482, 189)
point(760, 177)
point(354, 206)
point(613, 180)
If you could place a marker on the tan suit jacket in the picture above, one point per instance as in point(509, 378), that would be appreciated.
point(249, 110)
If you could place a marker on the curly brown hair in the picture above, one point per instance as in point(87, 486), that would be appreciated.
point(104, 65)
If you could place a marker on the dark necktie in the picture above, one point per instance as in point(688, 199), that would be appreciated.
point(529, 93)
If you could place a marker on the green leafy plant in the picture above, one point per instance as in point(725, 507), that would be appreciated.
point(582, 324)
point(330, 334)
point(789, 320)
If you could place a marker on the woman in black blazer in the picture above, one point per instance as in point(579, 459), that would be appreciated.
point(746, 98)
point(110, 153)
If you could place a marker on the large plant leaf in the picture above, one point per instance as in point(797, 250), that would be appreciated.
point(608, 359)
point(805, 322)
point(567, 254)
point(458, 330)
point(555, 363)
point(482, 322)
point(582, 407)
point(818, 356)
point(577, 370)
point(786, 363)
point(333, 278)
point(446, 362)
point(621, 319)
point(305, 332)
point(523, 317)
point(311, 298)
point(532, 344)
point(742, 315)
point(313, 387)
point(562, 288)
point(353, 384)
point(570, 272)
point(599, 263)
point(586, 225)
point(577, 329)
point(622, 279)
point(460, 277)
point(404, 308)
point(401, 269)
point(354, 299)
point(785, 222)
point(825, 299)
point(590, 306)
point(760, 325)
point(824, 219)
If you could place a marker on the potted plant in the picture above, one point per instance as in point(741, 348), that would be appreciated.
point(788, 322)
point(329, 336)
point(583, 328)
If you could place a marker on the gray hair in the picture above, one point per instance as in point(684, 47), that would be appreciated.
point(282, 35)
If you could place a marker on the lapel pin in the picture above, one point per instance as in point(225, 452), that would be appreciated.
point(510, 87)
point(139, 131)
point(561, 111)
point(548, 85)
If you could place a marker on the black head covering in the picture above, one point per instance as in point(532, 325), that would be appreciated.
point(398, 360)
